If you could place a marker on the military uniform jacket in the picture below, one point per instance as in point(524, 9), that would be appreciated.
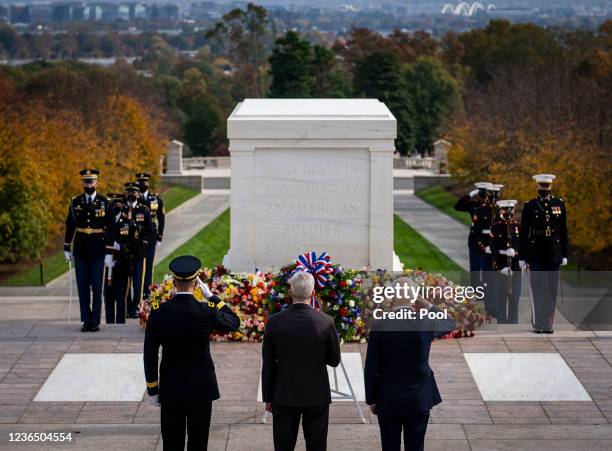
point(89, 227)
point(544, 237)
point(499, 241)
point(155, 204)
point(483, 220)
point(182, 327)
point(470, 205)
point(133, 231)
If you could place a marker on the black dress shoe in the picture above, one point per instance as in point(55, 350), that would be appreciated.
point(549, 331)
point(538, 331)
point(85, 328)
point(94, 328)
point(132, 315)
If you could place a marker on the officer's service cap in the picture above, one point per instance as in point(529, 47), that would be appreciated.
point(114, 196)
point(544, 178)
point(482, 185)
point(185, 267)
point(143, 176)
point(89, 174)
point(131, 186)
point(495, 187)
point(507, 203)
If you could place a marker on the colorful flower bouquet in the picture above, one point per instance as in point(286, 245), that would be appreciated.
point(344, 294)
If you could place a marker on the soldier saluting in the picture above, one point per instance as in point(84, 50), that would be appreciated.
point(187, 383)
point(470, 203)
point(88, 232)
point(544, 247)
point(155, 204)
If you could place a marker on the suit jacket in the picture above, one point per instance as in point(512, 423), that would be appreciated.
point(398, 378)
point(182, 327)
point(298, 345)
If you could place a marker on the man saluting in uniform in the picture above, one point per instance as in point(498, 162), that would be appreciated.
point(187, 382)
point(88, 227)
point(544, 246)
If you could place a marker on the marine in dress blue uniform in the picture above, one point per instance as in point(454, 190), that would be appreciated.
point(185, 383)
point(544, 247)
point(503, 245)
point(470, 203)
point(155, 204)
point(112, 305)
point(87, 240)
point(484, 218)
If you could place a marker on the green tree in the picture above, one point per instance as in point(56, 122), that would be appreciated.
point(203, 127)
point(291, 67)
point(378, 75)
point(328, 80)
point(434, 95)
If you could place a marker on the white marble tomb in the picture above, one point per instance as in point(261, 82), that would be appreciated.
point(311, 174)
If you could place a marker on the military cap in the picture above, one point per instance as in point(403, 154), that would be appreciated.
point(143, 176)
point(495, 187)
point(482, 185)
point(131, 186)
point(185, 267)
point(544, 178)
point(507, 203)
point(89, 174)
point(114, 196)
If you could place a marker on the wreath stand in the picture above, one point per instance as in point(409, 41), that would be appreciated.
point(335, 389)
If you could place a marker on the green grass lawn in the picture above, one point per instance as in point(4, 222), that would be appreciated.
point(416, 252)
point(55, 265)
point(210, 244)
point(175, 195)
point(444, 201)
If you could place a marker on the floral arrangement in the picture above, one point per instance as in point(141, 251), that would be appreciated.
point(344, 294)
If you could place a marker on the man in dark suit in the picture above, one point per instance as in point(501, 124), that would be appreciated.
point(399, 384)
point(187, 382)
point(298, 345)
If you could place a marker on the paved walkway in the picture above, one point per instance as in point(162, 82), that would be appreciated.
point(181, 224)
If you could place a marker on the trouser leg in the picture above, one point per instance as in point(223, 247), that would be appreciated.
point(513, 306)
point(315, 424)
point(486, 266)
point(173, 421)
point(285, 426)
point(122, 283)
point(198, 426)
point(475, 277)
point(110, 298)
point(390, 432)
point(415, 428)
point(97, 278)
point(81, 270)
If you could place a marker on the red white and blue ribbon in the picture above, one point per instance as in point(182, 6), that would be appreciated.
point(320, 268)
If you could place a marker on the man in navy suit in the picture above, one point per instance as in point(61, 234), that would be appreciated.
point(399, 384)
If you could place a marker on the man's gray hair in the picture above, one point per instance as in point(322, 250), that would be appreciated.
point(302, 284)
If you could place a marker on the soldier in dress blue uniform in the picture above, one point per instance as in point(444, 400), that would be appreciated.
point(484, 218)
point(88, 232)
point(544, 247)
point(470, 203)
point(506, 278)
point(111, 288)
point(185, 383)
point(155, 204)
point(132, 233)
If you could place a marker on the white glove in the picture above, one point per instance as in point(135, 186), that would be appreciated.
point(68, 255)
point(473, 193)
point(116, 246)
point(154, 400)
point(506, 271)
point(510, 252)
point(487, 250)
point(108, 261)
point(157, 244)
point(564, 261)
point(205, 290)
point(522, 264)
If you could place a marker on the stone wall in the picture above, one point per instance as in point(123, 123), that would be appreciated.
point(425, 181)
point(190, 181)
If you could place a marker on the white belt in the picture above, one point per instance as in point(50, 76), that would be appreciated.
point(503, 252)
point(486, 231)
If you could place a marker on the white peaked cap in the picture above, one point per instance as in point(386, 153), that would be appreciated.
point(544, 178)
point(483, 185)
point(507, 203)
point(496, 187)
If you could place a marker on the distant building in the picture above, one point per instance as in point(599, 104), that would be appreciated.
point(40, 12)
